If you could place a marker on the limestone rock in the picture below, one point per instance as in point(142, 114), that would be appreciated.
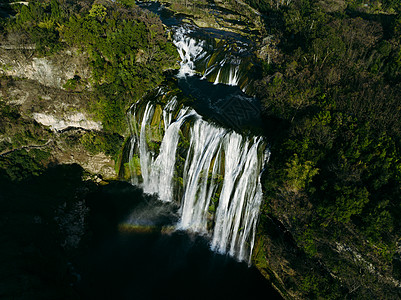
point(78, 120)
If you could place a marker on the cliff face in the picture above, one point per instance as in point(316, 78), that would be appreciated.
point(47, 115)
point(52, 71)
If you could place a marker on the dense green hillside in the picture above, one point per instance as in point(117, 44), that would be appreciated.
point(333, 95)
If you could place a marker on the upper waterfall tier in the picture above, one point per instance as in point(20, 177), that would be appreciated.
point(217, 58)
point(212, 173)
point(216, 55)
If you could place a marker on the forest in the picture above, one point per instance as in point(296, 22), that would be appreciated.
point(333, 98)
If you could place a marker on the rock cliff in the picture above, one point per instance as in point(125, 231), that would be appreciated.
point(44, 110)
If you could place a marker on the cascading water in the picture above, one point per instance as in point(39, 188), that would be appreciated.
point(211, 173)
point(217, 61)
point(218, 186)
point(189, 50)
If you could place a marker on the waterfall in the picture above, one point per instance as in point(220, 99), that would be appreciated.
point(157, 171)
point(234, 75)
point(189, 50)
point(205, 144)
point(212, 173)
point(218, 61)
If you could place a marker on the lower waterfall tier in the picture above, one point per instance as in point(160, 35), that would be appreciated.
point(212, 173)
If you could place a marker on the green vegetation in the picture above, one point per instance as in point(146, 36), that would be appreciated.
point(128, 51)
point(334, 96)
point(19, 131)
point(19, 165)
point(37, 23)
point(127, 47)
point(73, 84)
point(95, 143)
point(229, 15)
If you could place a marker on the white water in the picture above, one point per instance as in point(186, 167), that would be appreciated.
point(192, 50)
point(221, 190)
point(216, 81)
point(158, 170)
point(189, 50)
point(233, 78)
point(236, 220)
point(204, 146)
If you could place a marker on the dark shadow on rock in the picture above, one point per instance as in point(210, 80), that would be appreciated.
point(34, 255)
